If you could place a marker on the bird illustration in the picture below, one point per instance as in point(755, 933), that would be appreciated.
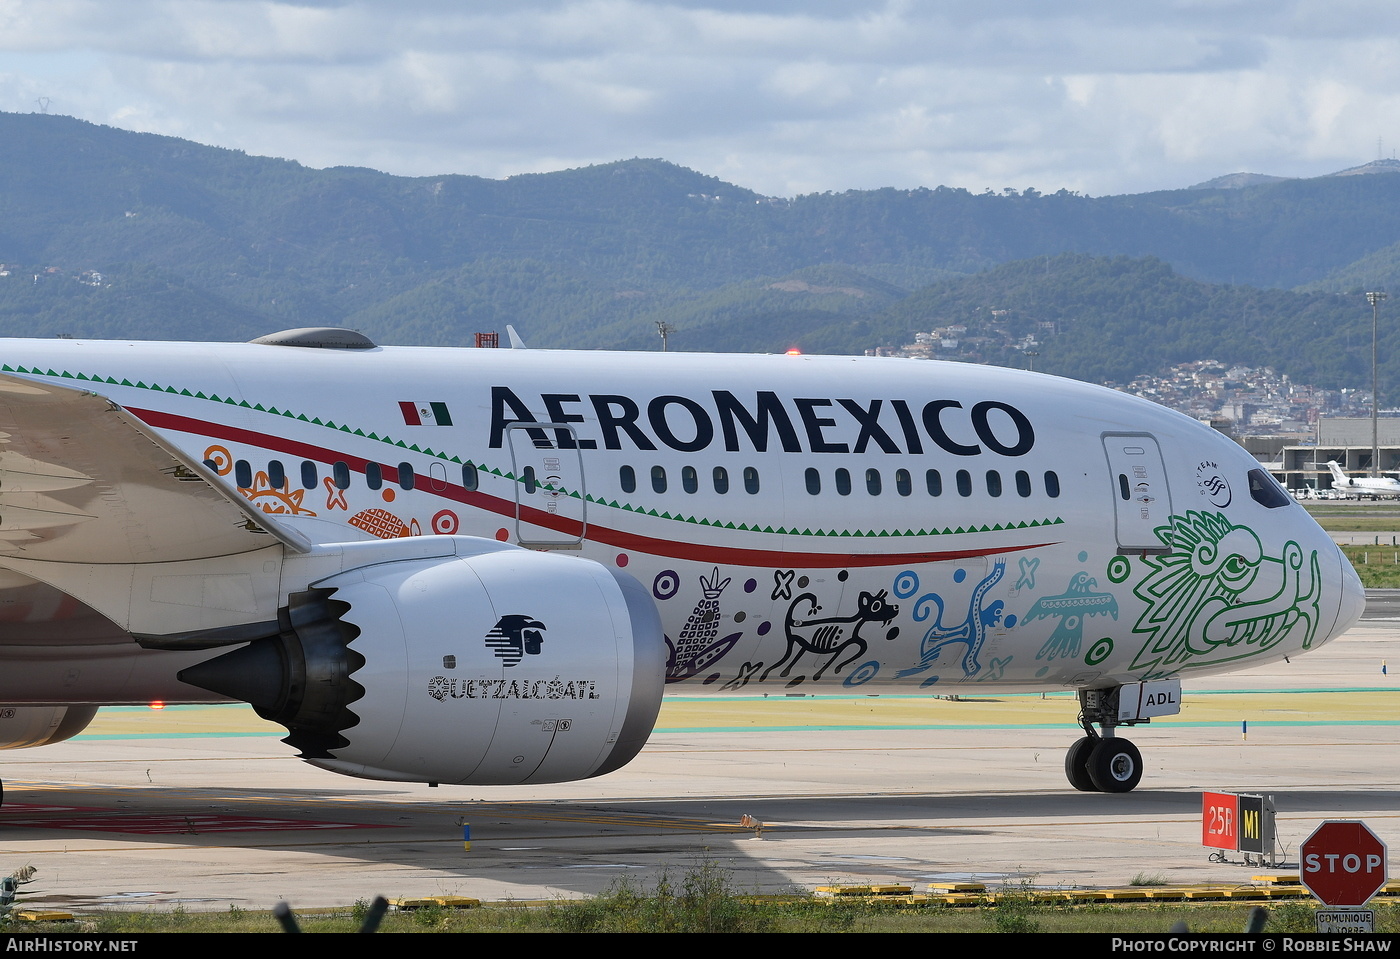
point(1072, 606)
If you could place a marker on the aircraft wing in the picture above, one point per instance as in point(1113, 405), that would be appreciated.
point(84, 481)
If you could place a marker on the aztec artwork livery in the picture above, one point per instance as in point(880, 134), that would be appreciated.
point(496, 582)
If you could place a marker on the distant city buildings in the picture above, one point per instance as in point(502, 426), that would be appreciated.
point(1244, 399)
point(85, 277)
point(1237, 399)
point(1292, 428)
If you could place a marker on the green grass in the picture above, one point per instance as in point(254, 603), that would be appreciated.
point(1376, 565)
point(1366, 517)
point(1359, 524)
point(626, 912)
point(1377, 508)
point(704, 899)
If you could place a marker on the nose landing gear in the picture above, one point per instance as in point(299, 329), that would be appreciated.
point(1101, 762)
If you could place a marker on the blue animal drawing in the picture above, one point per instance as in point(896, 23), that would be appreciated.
point(972, 631)
point(829, 635)
point(1072, 607)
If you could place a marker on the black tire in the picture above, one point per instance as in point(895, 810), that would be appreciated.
point(1115, 766)
point(1077, 765)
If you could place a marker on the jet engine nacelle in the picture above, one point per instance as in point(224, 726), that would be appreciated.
point(504, 667)
point(25, 726)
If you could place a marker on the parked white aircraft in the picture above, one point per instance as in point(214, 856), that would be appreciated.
point(1362, 485)
point(483, 566)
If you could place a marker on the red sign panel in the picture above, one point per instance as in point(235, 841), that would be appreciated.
point(1343, 863)
point(1220, 820)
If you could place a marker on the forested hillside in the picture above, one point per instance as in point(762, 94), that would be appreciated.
point(115, 234)
point(1114, 318)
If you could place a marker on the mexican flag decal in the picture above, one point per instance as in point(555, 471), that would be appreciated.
point(425, 414)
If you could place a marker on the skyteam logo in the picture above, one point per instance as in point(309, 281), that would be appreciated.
point(515, 636)
point(1213, 485)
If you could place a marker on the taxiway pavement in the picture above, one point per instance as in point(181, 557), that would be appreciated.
point(205, 807)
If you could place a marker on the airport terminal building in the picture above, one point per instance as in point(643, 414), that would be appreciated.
point(1344, 439)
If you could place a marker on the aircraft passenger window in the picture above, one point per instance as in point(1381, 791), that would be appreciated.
point(374, 475)
point(934, 480)
point(243, 474)
point(437, 477)
point(690, 480)
point(341, 472)
point(750, 479)
point(405, 476)
point(964, 479)
point(1023, 483)
point(531, 484)
point(1052, 484)
point(627, 476)
point(276, 474)
point(1124, 491)
point(843, 482)
point(310, 477)
point(903, 483)
point(814, 481)
point(721, 476)
point(993, 483)
point(872, 482)
point(469, 478)
point(1265, 491)
point(658, 478)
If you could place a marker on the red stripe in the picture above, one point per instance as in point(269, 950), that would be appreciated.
point(410, 413)
point(717, 555)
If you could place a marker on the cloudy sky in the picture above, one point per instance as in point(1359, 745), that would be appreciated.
point(784, 98)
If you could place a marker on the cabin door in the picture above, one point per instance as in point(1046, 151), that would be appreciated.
point(1141, 500)
point(550, 505)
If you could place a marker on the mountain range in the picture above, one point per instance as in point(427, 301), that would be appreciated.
point(109, 233)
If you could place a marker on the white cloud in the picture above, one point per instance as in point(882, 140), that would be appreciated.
point(1095, 96)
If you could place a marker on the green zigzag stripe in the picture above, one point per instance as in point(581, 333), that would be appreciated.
point(506, 474)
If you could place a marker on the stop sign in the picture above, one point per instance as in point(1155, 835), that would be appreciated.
point(1343, 863)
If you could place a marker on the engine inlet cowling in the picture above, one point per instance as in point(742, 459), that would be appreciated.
point(505, 667)
point(25, 726)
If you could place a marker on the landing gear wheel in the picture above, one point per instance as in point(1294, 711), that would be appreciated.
point(1115, 766)
point(1077, 764)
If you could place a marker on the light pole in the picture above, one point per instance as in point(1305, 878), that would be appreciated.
point(1375, 300)
point(666, 329)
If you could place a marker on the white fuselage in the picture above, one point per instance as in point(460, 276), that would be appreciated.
point(797, 520)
